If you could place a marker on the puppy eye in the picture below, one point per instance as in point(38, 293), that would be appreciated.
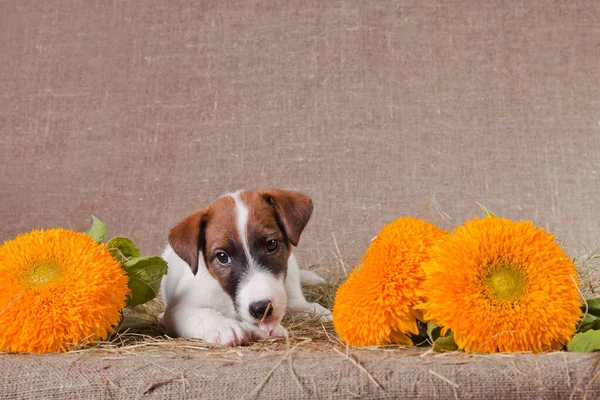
point(272, 245)
point(223, 258)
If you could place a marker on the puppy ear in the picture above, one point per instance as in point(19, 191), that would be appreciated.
point(293, 210)
point(187, 237)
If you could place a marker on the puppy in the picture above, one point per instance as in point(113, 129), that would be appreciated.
point(232, 273)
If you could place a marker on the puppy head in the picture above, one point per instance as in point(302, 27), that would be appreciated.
point(244, 240)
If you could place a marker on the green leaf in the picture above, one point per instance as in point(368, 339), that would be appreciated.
point(445, 343)
point(145, 274)
point(433, 331)
point(486, 210)
point(585, 342)
point(588, 322)
point(593, 306)
point(98, 230)
point(123, 248)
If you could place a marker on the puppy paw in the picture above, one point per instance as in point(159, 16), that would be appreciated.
point(228, 332)
point(310, 278)
point(312, 310)
point(279, 331)
point(259, 332)
point(317, 310)
point(255, 332)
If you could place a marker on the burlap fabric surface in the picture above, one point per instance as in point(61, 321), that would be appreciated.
point(324, 375)
point(140, 112)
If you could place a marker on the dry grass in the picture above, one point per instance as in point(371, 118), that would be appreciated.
point(141, 331)
point(588, 268)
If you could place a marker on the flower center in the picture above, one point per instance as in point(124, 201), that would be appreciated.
point(506, 283)
point(43, 273)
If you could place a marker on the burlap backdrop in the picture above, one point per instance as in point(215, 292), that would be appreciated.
point(318, 375)
point(140, 112)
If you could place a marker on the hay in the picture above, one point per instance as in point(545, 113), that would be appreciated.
point(588, 268)
point(141, 332)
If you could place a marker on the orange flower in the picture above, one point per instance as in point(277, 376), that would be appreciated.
point(501, 285)
point(58, 289)
point(376, 303)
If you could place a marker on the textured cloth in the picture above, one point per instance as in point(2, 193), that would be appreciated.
point(140, 112)
point(320, 375)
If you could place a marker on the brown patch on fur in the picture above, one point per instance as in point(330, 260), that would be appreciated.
point(205, 230)
point(263, 225)
point(273, 214)
point(262, 218)
point(293, 210)
point(223, 225)
point(187, 236)
point(221, 234)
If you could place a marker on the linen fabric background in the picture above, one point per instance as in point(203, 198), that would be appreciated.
point(141, 112)
point(319, 375)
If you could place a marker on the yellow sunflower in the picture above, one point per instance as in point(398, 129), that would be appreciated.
point(501, 285)
point(375, 304)
point(58, 289)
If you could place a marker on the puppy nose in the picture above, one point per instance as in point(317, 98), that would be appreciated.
point(258, 309)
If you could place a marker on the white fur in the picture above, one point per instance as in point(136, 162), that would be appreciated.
point(310, 278)
point(241, 219)
point(197, 306)
point(262, 285)
point(258, 283)
point(296, 300)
